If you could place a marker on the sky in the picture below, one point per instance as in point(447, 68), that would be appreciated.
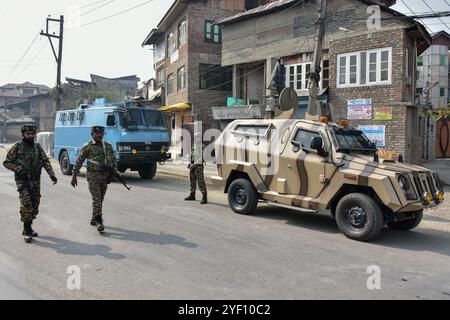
point(111, 47)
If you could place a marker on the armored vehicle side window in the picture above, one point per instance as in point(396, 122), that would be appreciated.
point(252, 130)
point(304, 137)
point(111, 120)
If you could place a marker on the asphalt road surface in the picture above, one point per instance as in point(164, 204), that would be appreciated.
point(157, 246)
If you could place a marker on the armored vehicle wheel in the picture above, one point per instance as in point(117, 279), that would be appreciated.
point(121, 169)
point(64, 163)
point(242, 196)
point(148, 172)
point(409, 224)
point(359, 217)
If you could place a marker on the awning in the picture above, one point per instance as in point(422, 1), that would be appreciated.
point(176, 107)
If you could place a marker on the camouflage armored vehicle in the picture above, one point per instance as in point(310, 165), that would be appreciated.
point(312, 165)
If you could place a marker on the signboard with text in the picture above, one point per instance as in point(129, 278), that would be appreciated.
point(376, 134)
point(231, 113)
point(359, 109)
point(383, 113)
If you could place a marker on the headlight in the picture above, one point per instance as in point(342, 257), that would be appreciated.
point(403, 182)
point(427, 197)
point(123, 148)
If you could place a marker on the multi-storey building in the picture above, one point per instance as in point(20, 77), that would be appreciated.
point(368, 68)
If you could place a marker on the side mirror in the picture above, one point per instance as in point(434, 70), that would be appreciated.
point(317, 144)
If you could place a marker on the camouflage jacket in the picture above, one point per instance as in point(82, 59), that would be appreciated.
point(98, 156)
point(32, 158)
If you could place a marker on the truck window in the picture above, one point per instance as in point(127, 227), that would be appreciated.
point(304, 137)
point(132, 119)
point(111, 120)
point(154, 119)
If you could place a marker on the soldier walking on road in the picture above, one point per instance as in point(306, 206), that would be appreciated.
point(26, 159)
point(196, 167)
point(101, 162)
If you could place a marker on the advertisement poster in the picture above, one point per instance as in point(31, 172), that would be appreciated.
point(383, 113)
point(359, 109)
point(376, 134)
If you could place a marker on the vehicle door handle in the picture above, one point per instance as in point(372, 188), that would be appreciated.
point(290, 166)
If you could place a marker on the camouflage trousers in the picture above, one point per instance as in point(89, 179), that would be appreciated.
point(98, 184)
point(196, 175)
point(29, 202)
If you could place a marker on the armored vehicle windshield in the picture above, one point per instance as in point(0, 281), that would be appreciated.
point(351, 140)
point(142, 119)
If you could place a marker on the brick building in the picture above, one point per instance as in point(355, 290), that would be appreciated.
point(368, 67)
point(187, 61)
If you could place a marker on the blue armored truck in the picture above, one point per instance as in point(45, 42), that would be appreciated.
point(139, 136)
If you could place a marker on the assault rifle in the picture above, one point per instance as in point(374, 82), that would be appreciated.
point(28, 185)
point(114, 174)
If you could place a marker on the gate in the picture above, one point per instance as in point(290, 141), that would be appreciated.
point(443, 138)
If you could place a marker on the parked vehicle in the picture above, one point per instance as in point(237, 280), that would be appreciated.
point(139, 136)
point(312, 165)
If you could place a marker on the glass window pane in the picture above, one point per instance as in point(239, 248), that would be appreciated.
point(363, 68)
point(384, 56)
point(305, 137)
point(385, 75)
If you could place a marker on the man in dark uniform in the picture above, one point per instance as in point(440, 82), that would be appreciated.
point(100, 163)
point(26, 159)
point(196, 167)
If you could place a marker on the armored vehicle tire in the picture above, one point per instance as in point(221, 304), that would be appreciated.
point(242, 196)
point(64, 164)
point(359, 217)
point(409, 224)
point(121, 169)
point(148, 172)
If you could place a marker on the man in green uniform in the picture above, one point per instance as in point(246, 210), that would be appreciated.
point(26, 159)
point(196, 167)
point(100, 163)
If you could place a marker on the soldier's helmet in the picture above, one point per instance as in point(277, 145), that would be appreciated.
point(28, 128)
point(98, 129)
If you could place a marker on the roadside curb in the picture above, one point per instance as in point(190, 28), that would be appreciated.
point(168, 172)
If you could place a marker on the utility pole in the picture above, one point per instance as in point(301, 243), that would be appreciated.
point(58, 56)
point(314, 76)
point(5, 121)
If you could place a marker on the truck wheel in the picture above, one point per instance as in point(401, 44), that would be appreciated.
point(121, 169)
point(64, 164)
point(148, 172)
point(242, 196)
point(409, 224)
point(359, 217)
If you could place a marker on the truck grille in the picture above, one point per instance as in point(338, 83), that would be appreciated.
point(424, 183)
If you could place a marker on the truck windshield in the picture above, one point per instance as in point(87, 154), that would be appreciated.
point(352, 140)
point(137, 119)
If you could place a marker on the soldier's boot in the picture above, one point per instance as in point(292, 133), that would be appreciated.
point(34, 234)
point(204, 199)
point(99, 224)
point(93, 222)
point(27, 232)
point(191, 197)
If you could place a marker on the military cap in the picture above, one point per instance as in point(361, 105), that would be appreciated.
point(28, 127)
point(98, 129)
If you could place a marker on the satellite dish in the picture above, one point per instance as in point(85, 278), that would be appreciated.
point(288, 99)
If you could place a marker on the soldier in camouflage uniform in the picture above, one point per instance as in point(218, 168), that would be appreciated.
point(196, 167)
point(26, 159)
point(100, 162)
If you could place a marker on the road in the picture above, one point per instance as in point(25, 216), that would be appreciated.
point(157, 246)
